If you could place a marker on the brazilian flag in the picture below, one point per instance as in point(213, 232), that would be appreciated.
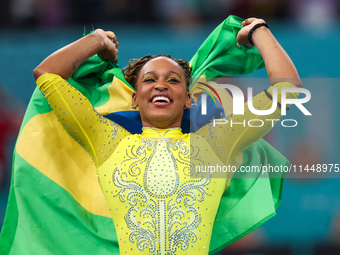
point(55, 203)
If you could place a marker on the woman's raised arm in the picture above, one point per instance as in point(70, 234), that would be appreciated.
point(280, 68)
point(229, 136)
point(65, 61)
point(96, 134)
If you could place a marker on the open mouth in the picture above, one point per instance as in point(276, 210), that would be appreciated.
point(161, 100)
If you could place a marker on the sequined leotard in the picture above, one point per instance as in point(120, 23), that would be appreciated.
point(158, 202)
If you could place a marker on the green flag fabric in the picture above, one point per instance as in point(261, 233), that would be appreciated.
point(219, 55)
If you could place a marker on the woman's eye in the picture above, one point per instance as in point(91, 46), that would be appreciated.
point(173, 80)
point(149, 80)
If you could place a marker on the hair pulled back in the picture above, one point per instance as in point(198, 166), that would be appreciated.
point(131, 72)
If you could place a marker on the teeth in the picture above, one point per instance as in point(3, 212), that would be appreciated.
point(161, 98)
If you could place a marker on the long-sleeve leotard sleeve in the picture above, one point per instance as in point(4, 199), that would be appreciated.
point(96, 134)
point(229, 136)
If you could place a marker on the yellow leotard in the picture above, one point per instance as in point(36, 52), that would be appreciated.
point(159, 203)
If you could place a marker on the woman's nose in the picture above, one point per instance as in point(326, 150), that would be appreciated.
point(161, 85)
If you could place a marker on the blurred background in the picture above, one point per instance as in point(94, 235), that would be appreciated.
point(308, 220)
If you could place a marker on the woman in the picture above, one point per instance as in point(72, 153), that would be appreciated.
point(158, 203)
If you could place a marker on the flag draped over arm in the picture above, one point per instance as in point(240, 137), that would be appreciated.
point(55, 203)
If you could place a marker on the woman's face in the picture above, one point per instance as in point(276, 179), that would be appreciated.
point(161, 93)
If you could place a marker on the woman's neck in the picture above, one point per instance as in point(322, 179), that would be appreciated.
point(161, 125)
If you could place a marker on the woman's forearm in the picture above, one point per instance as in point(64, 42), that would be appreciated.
point(66, 60)
point(278, 64)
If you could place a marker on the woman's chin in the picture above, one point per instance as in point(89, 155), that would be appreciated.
point(163, 121)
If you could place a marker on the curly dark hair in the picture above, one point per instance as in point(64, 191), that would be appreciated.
point(131, 72)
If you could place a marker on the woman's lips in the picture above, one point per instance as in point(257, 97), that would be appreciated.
point(161, 100)
point(162, 104)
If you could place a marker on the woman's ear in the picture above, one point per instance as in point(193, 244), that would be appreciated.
point(134, 100)
point(188, 101)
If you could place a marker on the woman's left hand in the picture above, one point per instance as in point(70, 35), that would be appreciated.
point(242, 36)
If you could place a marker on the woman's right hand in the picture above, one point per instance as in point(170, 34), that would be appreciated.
point(65, 61)
point(110, 45)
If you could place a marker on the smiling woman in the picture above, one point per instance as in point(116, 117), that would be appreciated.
point(161, 93)
point(157, 201)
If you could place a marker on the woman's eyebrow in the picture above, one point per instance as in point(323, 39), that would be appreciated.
point(151, 72)
point(174, 73)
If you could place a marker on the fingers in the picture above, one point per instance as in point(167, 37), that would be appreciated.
point(112, 37)
point(248, 21)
